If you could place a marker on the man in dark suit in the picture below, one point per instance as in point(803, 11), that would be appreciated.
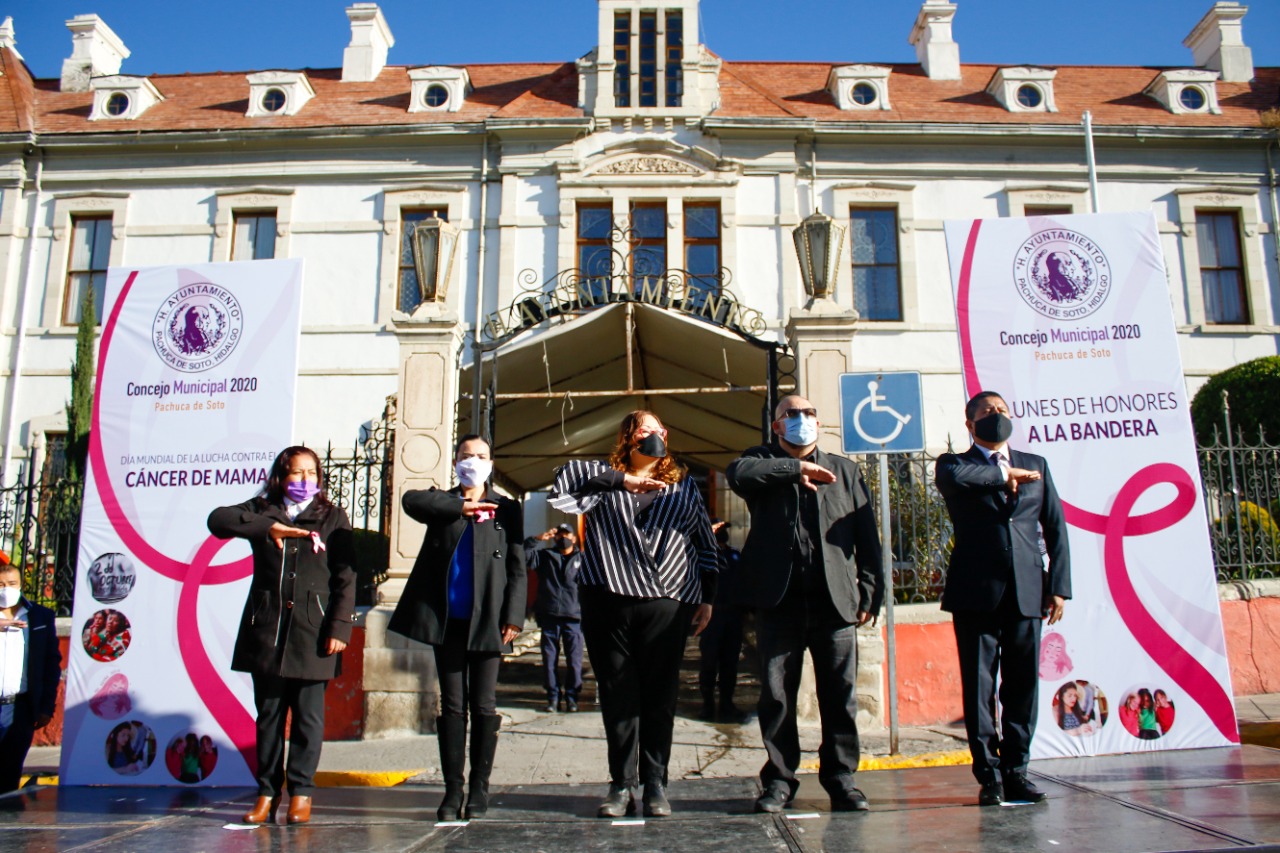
point(558, 611)
point(812, 565)
point(30, 669)
point(1001, 501)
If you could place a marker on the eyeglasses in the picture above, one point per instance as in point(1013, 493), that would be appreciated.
point(644, 431)
point(795, 413)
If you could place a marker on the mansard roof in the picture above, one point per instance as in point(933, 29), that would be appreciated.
point(549, 91)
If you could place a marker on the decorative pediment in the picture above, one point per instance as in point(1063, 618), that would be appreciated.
point(647, 165)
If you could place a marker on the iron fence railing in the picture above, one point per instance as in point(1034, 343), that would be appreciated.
point(1242, 500)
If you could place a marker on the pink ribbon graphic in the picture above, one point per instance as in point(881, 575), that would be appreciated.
point(1180, 665)
point(235, 721)
point(316, 544)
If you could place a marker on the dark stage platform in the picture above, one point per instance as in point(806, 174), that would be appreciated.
point(1209, 799)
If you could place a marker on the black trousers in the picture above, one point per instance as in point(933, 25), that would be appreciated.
point(468, 680)
point(783, 633)
point(1006, 642)
point(636, 645)
point(274, 697)
point(15, 744)
point(720, 645)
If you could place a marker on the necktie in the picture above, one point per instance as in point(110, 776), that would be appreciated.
point(997, 459)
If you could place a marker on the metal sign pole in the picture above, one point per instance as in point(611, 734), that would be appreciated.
point(886, 566)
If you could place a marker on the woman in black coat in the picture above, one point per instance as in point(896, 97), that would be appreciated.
point(466, 598)
point(296, 622)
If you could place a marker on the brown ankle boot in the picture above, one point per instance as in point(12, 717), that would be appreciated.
point(299, 809)
point(263, 811)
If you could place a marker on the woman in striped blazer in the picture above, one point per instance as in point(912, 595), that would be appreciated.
point(649, 573)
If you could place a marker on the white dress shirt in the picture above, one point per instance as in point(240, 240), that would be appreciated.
point(13, 664)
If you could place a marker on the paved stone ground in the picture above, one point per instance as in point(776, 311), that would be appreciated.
point(1208, 799)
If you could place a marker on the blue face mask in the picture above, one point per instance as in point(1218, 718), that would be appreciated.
point(800, 430)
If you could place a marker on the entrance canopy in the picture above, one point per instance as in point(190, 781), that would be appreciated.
point(562, 393)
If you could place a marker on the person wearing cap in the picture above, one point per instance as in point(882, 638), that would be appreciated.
point(720, 645)
point(30, 668)
point(555, 557)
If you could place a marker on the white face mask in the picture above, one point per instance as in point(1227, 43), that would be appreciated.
point(9, 596)
point(473, 472)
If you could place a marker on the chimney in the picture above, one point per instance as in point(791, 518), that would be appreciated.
point(931, 35)
point(371, 38)
point(95, 51)
point(1217, 43)
point(8, 38)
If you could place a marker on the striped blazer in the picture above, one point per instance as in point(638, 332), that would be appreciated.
point(662, 556)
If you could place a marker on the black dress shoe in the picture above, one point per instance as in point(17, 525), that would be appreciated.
point(656, 803)
point(992, 794)
point(619, 802)
point(851, 800)
point(772, 801)
point(1017, 789)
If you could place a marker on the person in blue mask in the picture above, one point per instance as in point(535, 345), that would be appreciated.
point(812, 564)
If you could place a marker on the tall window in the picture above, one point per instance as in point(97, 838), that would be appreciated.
point(702, 248)
point(87, 267)
point(876, 274)
point(1221, 267)
point(253, 235)
point(649, 255)
point(410, 294)
point(648, 59)
point(594, 255)
point(674, 58)
point(622, 58)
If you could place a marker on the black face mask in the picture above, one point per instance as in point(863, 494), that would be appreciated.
point(563, 543)
point(994, 428)
point(652, 446)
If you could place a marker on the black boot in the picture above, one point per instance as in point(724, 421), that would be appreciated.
point(484, 743)
point(451, 734)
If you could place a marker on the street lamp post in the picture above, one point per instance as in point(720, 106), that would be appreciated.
point(818, 243)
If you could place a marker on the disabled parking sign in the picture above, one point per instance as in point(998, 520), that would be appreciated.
point(881, 412)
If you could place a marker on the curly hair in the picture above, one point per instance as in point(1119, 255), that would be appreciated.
point(668, 469)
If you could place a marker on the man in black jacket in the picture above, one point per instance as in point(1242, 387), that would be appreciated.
point(29, 690)
point(1000, 501)
point(812, 564)
point(558, 612)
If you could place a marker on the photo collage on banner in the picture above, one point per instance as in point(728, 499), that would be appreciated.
point(197, 369)
point(1069, 319)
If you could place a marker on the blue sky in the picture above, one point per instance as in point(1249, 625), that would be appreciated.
point(240, 35)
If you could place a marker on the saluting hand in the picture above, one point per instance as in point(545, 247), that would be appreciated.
point(470, 508)
point(637, 484)
point(280, 532)
point(1015, 476)
point(812, 473)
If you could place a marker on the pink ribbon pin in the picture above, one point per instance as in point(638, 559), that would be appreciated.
point(483, 515)
point(316, 545)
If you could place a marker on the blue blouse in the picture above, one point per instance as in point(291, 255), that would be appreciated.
point(462, 576)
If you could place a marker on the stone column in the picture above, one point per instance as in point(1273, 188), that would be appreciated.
point(821, 334)
point(399, 675)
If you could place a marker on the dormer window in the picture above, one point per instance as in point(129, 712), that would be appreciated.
point(273, 100)
point(1024, 90)
point(277, 93)
point(1188, 91)
point(122, 97)
point(859, 87)
point(1030, 96)
point(438, 88)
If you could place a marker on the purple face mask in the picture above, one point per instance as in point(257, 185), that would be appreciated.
point(301, 490)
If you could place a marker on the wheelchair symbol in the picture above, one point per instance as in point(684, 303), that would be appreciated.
point(875, 401)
